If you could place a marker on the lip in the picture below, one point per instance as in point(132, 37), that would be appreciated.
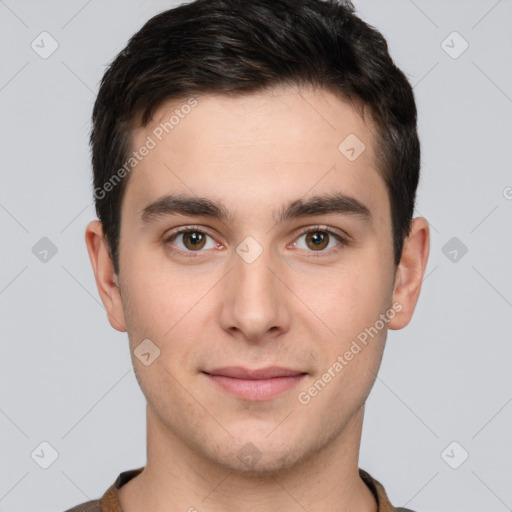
point(255, 385)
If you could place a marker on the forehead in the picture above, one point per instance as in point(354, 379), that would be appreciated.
point(255, 149)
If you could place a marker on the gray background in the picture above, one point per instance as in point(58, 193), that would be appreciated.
point(66, 375)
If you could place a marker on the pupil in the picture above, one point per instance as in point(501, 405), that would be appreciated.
point(195, 237)
point(318, 237)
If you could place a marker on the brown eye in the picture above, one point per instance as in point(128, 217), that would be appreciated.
point(321, 240)
point(190, 241)
point(194, 240)
point(317, 240)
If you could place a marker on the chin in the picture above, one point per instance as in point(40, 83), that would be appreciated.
point(258, 456)
point(251, 462)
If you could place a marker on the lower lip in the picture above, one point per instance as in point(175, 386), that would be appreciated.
point(256, 390)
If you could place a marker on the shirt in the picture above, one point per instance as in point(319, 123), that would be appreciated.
point(109, 502)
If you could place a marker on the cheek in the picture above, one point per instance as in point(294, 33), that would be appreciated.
point(351, 296)
point(165, 306)
point(151, 303)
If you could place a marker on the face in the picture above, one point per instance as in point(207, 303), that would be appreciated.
point(280, 280)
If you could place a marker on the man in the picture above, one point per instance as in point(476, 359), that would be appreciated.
point(255, 170)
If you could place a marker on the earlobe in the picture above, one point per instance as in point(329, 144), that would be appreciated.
point(410, 272)
point(106, 279)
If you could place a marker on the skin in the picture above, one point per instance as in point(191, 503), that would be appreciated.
point(294, 306)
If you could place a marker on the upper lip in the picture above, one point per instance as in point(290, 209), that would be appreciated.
point(239, 372)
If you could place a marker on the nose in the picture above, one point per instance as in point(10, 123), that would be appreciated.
point(256, 302)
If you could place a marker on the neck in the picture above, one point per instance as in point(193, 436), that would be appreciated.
point(177, 477)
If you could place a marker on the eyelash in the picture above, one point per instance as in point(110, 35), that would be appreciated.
point(196, 229)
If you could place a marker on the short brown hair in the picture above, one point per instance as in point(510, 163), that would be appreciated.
point(238, 47)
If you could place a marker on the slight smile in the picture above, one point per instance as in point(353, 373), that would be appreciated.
point(255, 385)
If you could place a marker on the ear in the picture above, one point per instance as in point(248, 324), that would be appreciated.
point(410, 272)
point(106, 279)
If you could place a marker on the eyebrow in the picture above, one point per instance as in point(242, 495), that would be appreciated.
point(179, 204)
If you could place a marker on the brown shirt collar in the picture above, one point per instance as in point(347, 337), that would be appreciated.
point(110, 500)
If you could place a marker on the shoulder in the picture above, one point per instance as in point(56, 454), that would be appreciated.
point(380, 494)
point(88, 506)
point(110, 500)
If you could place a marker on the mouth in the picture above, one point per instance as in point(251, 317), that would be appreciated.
point(255, 385)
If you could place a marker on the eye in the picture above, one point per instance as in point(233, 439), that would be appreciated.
point(320, 239)
point(191, 240)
